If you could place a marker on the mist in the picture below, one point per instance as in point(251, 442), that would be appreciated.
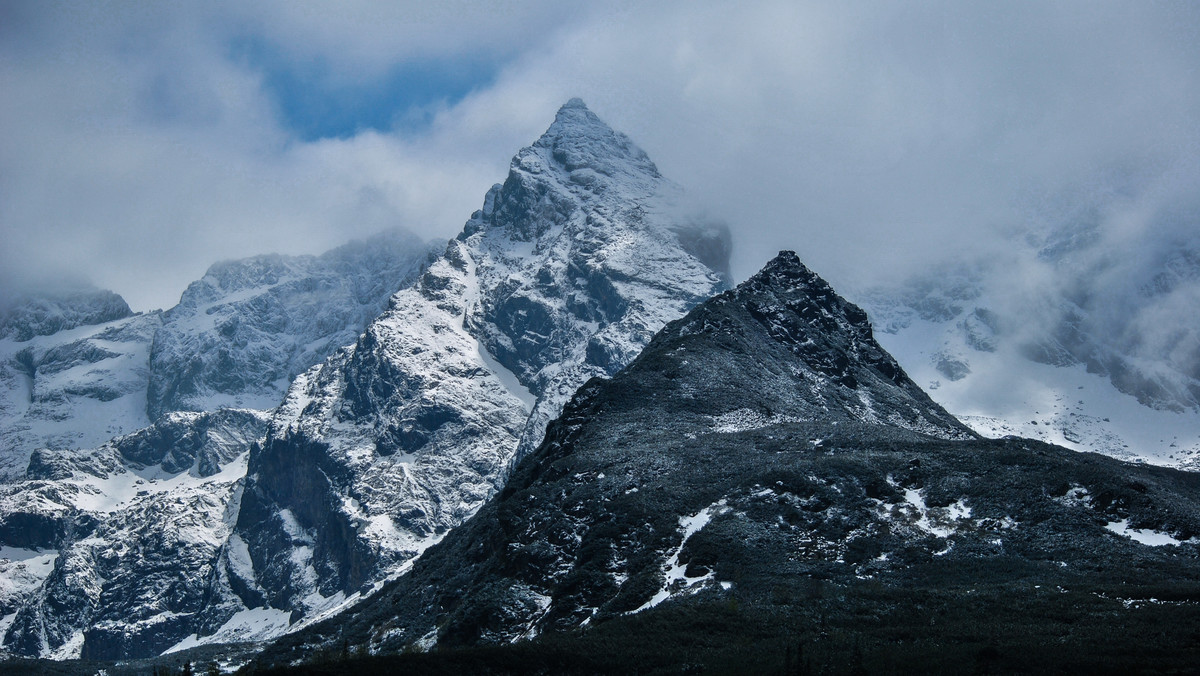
point(140, 144)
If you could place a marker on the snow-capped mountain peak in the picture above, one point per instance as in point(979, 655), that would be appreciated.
point(570, 267)
point(578, 139)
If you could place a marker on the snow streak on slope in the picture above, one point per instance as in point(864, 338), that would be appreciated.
point(675, 579)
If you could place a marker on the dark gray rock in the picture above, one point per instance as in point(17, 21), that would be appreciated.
point(730, 462)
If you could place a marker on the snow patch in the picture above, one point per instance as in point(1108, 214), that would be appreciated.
point(246, 626)
point(744, 420)
point(674, 573)
point(237, 553)
point(1148, 537)
point(941, 522)
point(70, 650)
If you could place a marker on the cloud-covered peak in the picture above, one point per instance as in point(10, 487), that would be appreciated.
point(49, 310)
point(579, 139)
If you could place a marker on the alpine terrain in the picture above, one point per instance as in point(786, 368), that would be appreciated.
point(234, 517)
point(117, 542)
point(1058, 339)
point(764, 490)
point(567, 271)
point(561, 443)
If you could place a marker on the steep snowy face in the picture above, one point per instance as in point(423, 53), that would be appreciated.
point(75, 388)
point(241, 333)
point(573, 263)
point(1100, 354)
point(121, 550)
point(581, 257)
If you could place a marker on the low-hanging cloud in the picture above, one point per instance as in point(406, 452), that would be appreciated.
point(875, 139)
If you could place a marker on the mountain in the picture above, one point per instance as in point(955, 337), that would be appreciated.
point(28, 315)
point(765, 490)
point(275, 518)
point(82, 529)
point(570, 267)
point(1065, 336)
point(74, 388)
point(78, 368)
point(241, 333)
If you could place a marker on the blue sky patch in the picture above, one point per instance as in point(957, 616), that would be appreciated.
point(315, 102)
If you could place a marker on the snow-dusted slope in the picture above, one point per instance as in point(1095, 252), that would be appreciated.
point(119, 547)
point(567, 271)
point(236, 339)
point(1052, 358)
point(75, 388)
point(241, 333)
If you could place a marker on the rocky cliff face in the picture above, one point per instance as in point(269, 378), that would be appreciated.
point(764, 461)
point(570, 267)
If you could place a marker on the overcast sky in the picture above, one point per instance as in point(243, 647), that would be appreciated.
point(140, 142)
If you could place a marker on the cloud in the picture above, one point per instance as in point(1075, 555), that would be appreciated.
point(137, 148)
point(139, 144)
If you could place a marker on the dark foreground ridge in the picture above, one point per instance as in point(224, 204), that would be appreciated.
point(763, 490)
